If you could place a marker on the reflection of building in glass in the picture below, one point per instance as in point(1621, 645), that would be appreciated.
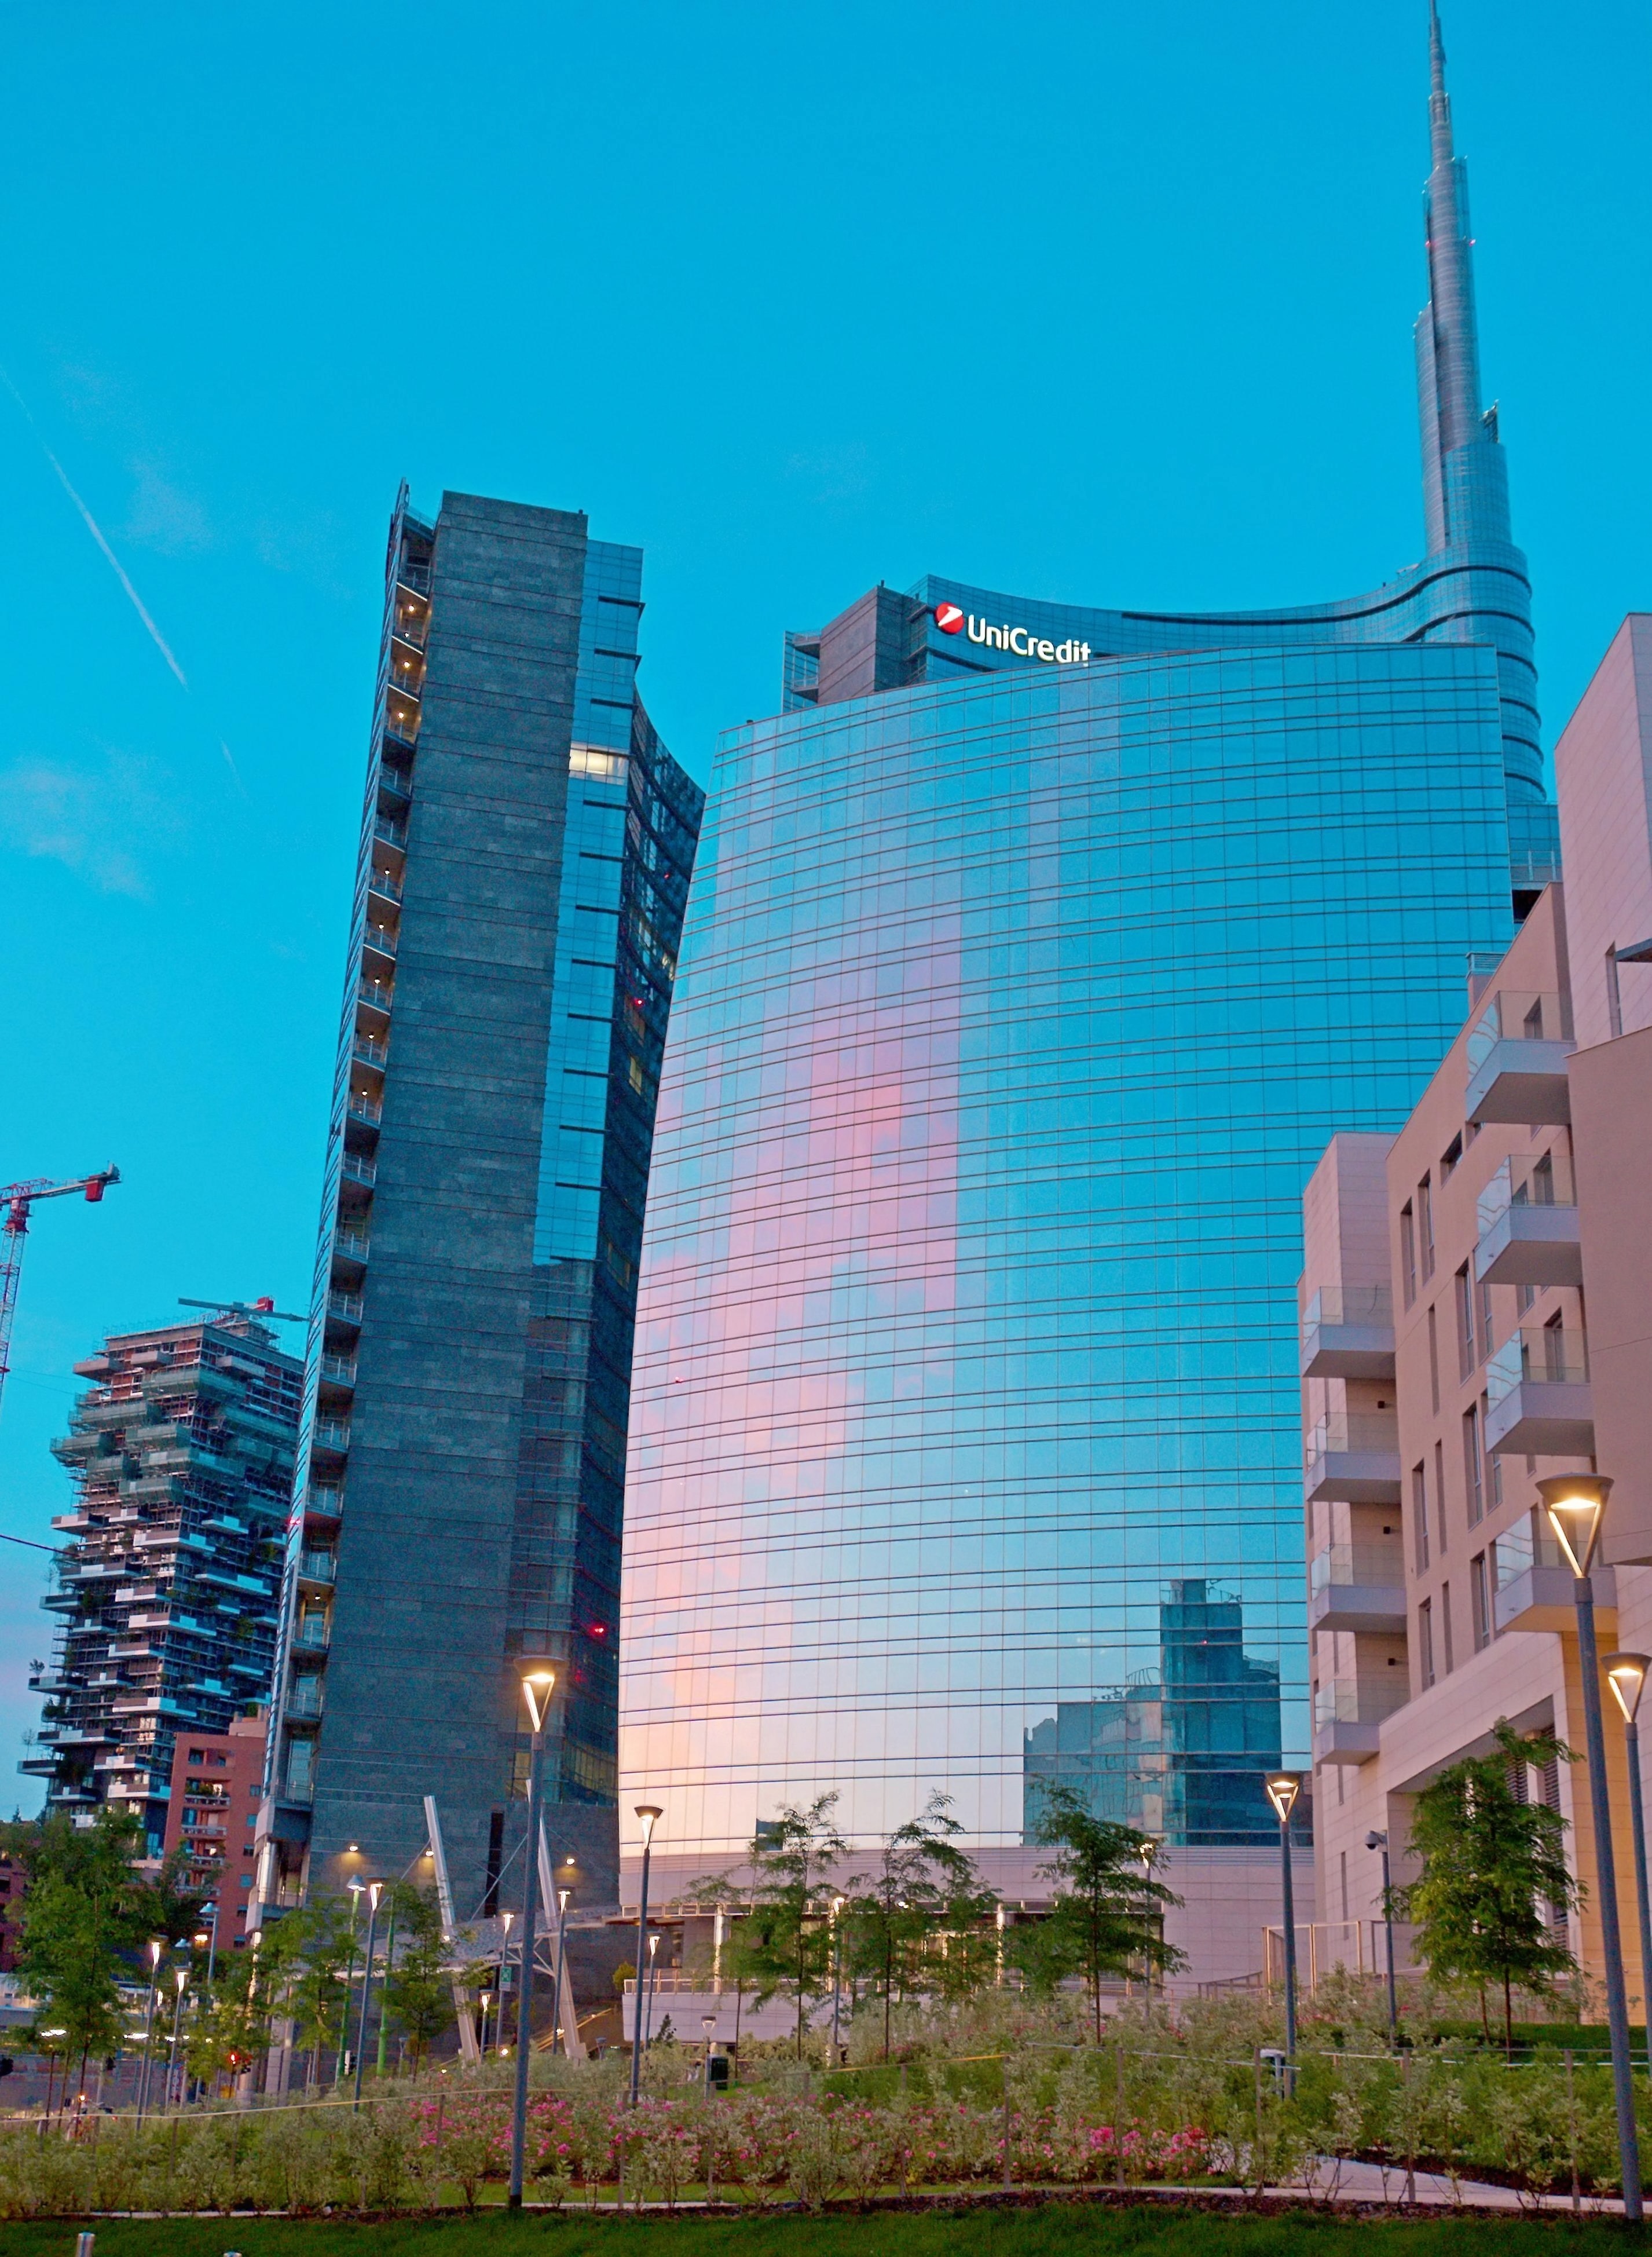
point(1032, 954)
point(1179, 1754)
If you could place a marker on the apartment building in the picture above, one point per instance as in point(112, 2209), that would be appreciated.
point(1476, 1309)
point(217, 1786)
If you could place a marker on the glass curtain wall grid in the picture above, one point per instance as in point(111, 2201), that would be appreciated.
point(1014, 1013)
point(166, 1588)
point(520, 896)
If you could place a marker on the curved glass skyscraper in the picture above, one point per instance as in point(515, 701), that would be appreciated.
point(1033, 955)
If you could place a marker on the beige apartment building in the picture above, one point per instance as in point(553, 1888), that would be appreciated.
point(1477, 1313)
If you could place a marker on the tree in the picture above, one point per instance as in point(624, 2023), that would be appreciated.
point(785, 1942)
point(87, 1916)
point(418, 1988)
point(925, 1890)
point(1108, 1909)
point(304, 1956)
point(1490, 1862)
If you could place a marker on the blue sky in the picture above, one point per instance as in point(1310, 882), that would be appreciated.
point(1094, 301)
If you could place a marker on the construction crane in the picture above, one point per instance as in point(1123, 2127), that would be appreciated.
point(16, 1201)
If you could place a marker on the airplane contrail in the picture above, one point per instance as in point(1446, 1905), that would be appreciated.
point(95, 530)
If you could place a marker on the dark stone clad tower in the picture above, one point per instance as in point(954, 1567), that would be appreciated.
point(525, 849)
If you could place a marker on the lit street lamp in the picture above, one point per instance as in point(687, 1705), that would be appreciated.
point(649, 2022)
point(486, 1997)
point(1575, 1504)
point(356, 1888)
point(149, 2024)
point(1375, 1841)
point(1283, 1787)
point(709, 2024)
point(1625, 1675)
point(837, 1969)
point(375, 1890)
point(650, 1814)
point(537, 1685)
point(562, 1896)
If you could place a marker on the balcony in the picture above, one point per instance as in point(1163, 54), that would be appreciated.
point(332, 1434)
point(370, 1051)
point(1353, 1458)
point(395, 785)
point(401, 715)
point(1516, 1053)
point(381, 886)
point(1537, 1399)
point(366, 1112)
point(1348, 1334)
point(346, 1307)
point(350, 1243)
point(318, 1566)
point(1349, 1714)
point(1527, 1224)
point(305, 1702)
point(1540, 1597)
point(378, 940)
point(325, 1499)
point(1358, 1587)
point(338, 1370)
point(376, 995)
point(392, 829)
point(357, 1169)
point(312, 1635)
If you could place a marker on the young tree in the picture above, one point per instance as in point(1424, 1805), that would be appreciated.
point(925, 1889)
point(785, 1942)
point(1490, 1861)
point(305, 1955)
point(1108, 1908)
point(87, 1916)
point(418, 1988)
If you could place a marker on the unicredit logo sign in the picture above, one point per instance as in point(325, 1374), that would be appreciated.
point(951, 620)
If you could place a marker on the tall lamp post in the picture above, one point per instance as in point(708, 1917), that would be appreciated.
point(837, 1969)
point(1283, 1787)
point(356, 1888)
point(375, 1890)
point(1375, 1841)
point(1625, 1675)
point(1575, 1504)
point(149, 2025)
point(180, 1977)
point(537, 1685)
point(650, 1814)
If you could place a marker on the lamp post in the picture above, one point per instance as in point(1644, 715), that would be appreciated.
point(1283, 1787)
point(1375, 1841)
point(650, 1814)
point(709, 2024)
point(180, 1977)
point(486, 1997)
point(537, 1685)
point(390, 1968)
point(210, 1939)
point(837, 1967)
point(1625, 1675)
point(562, 1896)
point(648, 2019)
point(149, 2024)
point(356, 1888)
point(1147, 1853)
point(375, 1889)
point(1575, 1504)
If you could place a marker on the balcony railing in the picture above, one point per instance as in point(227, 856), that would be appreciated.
point(325, 1499)
point(1348, 1565)
point(341, 1369)
point(346, 1306)
point(333, 1433)
point(382, 883)
point(413, 575)
point(379, 938)
point(367, 1110)
point(1517, 1016)
point(1543, 1355)
point(1527, 1179)
point(358, 1170)
point(393, 831)
point(1358, 1306)
point(318, 1566)
point(1360, 1700)
point(305, 1702)
point(379, 995)
point(369, 1052)
point(312, 1635)
point(1353, 1433)
point(353, 1244)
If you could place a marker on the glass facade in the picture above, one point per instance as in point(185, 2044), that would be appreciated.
point(1014, 1012)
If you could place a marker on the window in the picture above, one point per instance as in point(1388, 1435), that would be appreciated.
point(1492, 1463)
point(1464, 1323)
point(1425, 1642)
point(1450, 1157)
point(1434, 1362)
point(1445, 1627)
point(1439, 1511)
point(1425, 1227)
point(1486, 1322)
point(1473, 1462)
point(1555, 1347)
point(1419, 1518)
point(1407, 1253)
point(1479, 1599)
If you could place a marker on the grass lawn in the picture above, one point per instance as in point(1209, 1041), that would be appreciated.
point(1052, 2229)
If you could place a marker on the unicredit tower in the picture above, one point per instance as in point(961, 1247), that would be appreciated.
point(1033, 954)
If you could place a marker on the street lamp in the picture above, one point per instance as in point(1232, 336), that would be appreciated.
point(355, 1888)
point(562, 1896)
point(537, 1685)
point(1625, 1675)
point(1575, 1504)
point(709, 2024)
point(486, 1999)
point(1147, 1853)
point(837, 1967)
point(180, 1977)
point(375, 1890)
point(155, 1949)
point(1283, 1787)
point(1375, 1841)
point(649, 1813)
point(648, 2023)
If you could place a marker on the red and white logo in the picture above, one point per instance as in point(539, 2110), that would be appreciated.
point(948, 618)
